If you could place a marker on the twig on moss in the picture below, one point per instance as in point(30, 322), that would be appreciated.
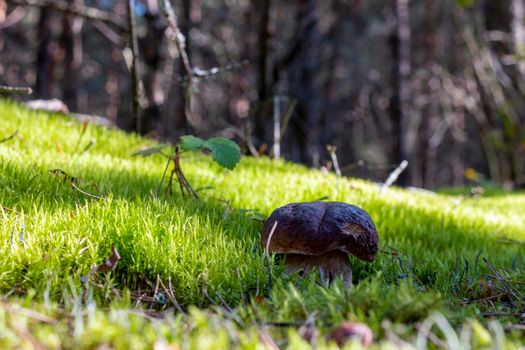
point(332, 149)
point(9, 210)
point(184, 184)
point(5, 139)
point(171, 295)
point(514, 295)
point(27, 313)
point(75, 187)
point(394, 175)
point(74, 181)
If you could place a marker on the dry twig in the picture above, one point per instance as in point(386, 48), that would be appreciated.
point(77, 10)
point(9, 137)
point(15, 90)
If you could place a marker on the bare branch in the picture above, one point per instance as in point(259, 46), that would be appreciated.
point(207, 73)
point(9, 137)
point(78, 10)
point(394, 175)
point(180, 40)
point(15, 90)
point(332, 149)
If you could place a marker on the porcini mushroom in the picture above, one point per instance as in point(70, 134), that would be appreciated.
point(321, 235)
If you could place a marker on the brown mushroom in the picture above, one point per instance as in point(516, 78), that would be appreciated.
point(321, 235)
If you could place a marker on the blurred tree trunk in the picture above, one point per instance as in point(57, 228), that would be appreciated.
point(453, 57)
point(502, 16)
point(304, 84)
point(404, 135)
point(151, 52)
point(44, 61)
point(263, 78)
point(71, 46)
point(430, 117)
point(182, 124)
point(341, 10)
point(518, 32)
point(134, 68)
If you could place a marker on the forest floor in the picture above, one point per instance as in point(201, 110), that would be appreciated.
point(450, 271)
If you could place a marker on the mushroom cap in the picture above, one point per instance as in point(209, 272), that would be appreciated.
point(315, 228)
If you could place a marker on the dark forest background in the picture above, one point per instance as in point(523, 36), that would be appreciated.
point(367, 83)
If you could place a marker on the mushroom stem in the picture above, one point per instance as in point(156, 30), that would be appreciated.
point(330, 265)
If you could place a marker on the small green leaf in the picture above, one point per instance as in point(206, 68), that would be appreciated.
point(190, 143)
point(146, 152)
point(225, 152)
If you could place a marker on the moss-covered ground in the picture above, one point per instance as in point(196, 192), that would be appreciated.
point(192, 274)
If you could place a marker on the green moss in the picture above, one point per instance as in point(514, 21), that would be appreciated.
point(432, 245)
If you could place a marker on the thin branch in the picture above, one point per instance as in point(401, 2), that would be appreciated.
point(332, 149)
point(27, 313)
point(9, 210)
point(163, 176)
point(78, 10)
point(171, 294)
point(176, 36)
point(9, 137)
point(393, 176)
point(108, 33)
point(184, 184)
point(200, 73)
point(180, 40)
point(514, 294)
point(15, 90)
point(75, 187)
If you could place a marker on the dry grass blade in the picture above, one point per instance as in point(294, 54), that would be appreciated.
point(75, 181)
point(267, 340)
point(267, 254)
point(226, 210)
point(75, 187)
point(171, 295)
point(28, 313)
point(505, 286)
point(10, 210)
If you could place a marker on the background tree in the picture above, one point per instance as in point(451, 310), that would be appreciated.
point(440, 84)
